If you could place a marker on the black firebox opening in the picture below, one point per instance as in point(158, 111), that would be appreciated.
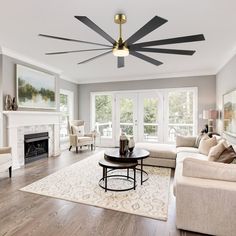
point(36, 146)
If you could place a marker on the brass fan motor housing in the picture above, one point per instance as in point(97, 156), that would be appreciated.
point(120, 19)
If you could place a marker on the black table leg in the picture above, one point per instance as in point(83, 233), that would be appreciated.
point(105, 179)
point(127, 173)
point(134, 178)
point(141, 171)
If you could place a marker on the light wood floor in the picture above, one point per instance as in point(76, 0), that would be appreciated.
point(31, 214)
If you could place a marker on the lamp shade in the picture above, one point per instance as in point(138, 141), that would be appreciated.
point(210, 114)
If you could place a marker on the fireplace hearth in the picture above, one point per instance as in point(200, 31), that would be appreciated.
point(36, 146)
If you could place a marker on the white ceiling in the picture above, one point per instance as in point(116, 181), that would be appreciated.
point(22, 21)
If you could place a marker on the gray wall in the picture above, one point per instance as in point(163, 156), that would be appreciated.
point(1, 104)
point(225, 82)
point(8, 86)
point(206, 92)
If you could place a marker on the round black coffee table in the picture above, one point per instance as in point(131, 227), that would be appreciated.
point(137, 154)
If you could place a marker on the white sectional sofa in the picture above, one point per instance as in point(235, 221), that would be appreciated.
point(205, 191)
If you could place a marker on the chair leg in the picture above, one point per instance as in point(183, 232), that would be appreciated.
point(70, 148)
point(77, 149)
point(91, 147)
point(10, 171)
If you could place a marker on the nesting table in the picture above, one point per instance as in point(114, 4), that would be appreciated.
point(113, 161)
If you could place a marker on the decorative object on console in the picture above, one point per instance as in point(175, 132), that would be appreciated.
point(229, 113)
point(210, 115)
point(35, 89)
point(124, 144)
point(14, 104)
point(131, 144)
point(8, 103)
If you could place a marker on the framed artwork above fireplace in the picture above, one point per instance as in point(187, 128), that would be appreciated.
point(35, 89)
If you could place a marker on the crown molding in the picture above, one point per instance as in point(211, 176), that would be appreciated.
point(148, 77)
point(10, 53)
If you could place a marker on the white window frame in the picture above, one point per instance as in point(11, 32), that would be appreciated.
point(164, 105)
point(70, 95)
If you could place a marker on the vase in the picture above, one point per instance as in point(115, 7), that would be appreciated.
point(131, 144)
point(8, 103)
point(123, 144)
point(14, 104)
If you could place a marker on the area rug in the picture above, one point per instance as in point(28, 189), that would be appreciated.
point(79, 183)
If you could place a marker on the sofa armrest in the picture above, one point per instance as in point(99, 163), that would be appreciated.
point(73, 139)
point(4, 150)
point(209, 170)
point(91, 135)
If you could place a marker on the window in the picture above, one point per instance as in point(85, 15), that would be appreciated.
point(147, 115)
point(181, 115)
point(150, 124)
point(66, 109)
point(103, 115)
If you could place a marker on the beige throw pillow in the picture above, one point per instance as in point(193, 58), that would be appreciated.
point(185, 141)
point(216, 151)
point(79, 130)
point(206, 144)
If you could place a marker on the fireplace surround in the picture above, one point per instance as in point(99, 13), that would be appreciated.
point(21, 123)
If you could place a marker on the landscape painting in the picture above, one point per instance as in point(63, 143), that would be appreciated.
point(35, 89)
point(230, 113)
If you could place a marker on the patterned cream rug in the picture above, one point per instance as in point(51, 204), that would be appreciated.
point(79, 183)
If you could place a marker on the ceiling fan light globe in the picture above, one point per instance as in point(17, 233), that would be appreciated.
point(120, 52)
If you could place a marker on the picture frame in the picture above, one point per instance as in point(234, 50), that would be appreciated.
point(35, 89)
point(229, 113)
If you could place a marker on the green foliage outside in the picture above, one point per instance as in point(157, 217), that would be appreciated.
point(103, 108)
point(180, 107)
point(27, 91)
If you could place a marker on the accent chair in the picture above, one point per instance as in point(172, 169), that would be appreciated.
point(6, 160)
point(77, 136)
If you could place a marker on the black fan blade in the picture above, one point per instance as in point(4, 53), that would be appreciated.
point(120, 62)
point(153, 24)
point(185, 39)
point(85, 50)
point(168, 51)
point(95, 28)
point(73, 40)
point(93, 58)
point(145, 58)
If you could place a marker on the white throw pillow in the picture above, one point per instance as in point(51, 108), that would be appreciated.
point(79, 130)
point(185, 141)
point(216, 151)
point(206, 144)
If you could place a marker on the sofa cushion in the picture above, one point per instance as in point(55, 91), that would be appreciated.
point(206, 144)
point(183, 155)
point(216, 151)
point(187, 149)
point(158, 150)
point(185, 141)
point(208, 170)
point(227, 156)
point(4, 158)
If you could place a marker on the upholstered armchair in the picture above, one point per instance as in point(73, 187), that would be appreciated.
point(77, 136)
point(5, 159)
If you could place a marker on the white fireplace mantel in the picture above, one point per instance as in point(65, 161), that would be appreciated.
point(19, 121)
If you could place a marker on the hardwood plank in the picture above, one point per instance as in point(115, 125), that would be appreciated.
point(24, 213)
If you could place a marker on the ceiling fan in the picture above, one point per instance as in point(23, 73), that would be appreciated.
point(122, 48)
